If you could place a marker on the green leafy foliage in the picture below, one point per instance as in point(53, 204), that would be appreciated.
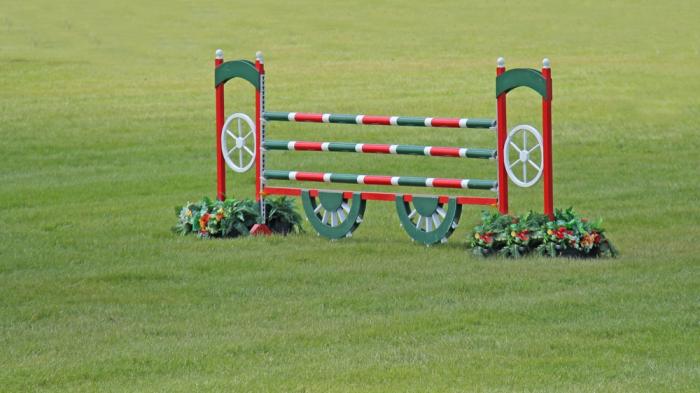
point(567, 235)
point(233, 218)
point(207, 218)
point(281, 215)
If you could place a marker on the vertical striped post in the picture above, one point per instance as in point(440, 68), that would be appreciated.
point(260, 228)
point(547, 141)
point(502, 135)
point(259, 132)
point(220, 164)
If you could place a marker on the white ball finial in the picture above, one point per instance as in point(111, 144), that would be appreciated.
point(259, 56)
point(219, 54)
point(545, 63)
point(501, 62)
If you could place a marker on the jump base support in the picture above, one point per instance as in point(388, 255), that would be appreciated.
point(260, 230)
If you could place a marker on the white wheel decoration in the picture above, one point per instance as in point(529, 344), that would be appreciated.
point(525, 153)
point(238, 142)
point(333, 217)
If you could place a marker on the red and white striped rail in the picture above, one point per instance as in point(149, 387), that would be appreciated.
point(349, 147)
point(381, 180)
point(380, 120)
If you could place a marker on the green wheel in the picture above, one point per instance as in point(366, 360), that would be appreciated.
point(331, 215)
point(426, 220)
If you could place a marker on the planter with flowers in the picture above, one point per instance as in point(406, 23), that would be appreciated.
point(568, 235)
point(233, 218)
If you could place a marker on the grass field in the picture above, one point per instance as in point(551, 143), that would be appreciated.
point(107, 122)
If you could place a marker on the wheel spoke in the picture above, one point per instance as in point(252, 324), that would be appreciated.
point(318, 208)
point(324, 219)
point(436, 220)
point(333, 219)
point(240, 158)
point(345, 207)
point(247, 135)
point(341, 215)
point(240, 132)
point(428, 225)
point(419, 222)
point(515, 147)
point(524, 140)
point(248, 150)
point(230, 134)
point(531, 150)
point(230, 151)
point(525, 172)
point(512, 164)
point(441, 212)
point(534, 165)
point(413, 213)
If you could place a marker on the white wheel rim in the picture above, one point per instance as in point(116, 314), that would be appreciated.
point(524, 156)
point(235, 138)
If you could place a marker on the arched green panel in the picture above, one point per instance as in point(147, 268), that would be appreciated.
point(517, 77)
point(331, 201)
point(426, 207)
point(237, 69)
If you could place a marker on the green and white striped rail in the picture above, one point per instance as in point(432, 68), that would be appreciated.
point(433, 151)
point(380, 120)
point(411, 181)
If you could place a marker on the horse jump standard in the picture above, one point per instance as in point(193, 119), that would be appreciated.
point(335, 213)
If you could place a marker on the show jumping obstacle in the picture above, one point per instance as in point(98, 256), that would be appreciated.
point(241, 143)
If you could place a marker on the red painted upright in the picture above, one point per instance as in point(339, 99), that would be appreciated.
point(220, 163)
point(547, 142)
point(502, 135)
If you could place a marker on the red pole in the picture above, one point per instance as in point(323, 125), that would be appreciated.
point(258, 140)
point(502, 135)
point(547, 142)
point(220, 163)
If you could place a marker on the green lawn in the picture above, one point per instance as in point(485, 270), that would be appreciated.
point(107, 122)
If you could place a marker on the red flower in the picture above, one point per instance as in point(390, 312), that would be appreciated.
point(487, 238)
point(203, 222)
point(522, 235)
point(559, 233)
